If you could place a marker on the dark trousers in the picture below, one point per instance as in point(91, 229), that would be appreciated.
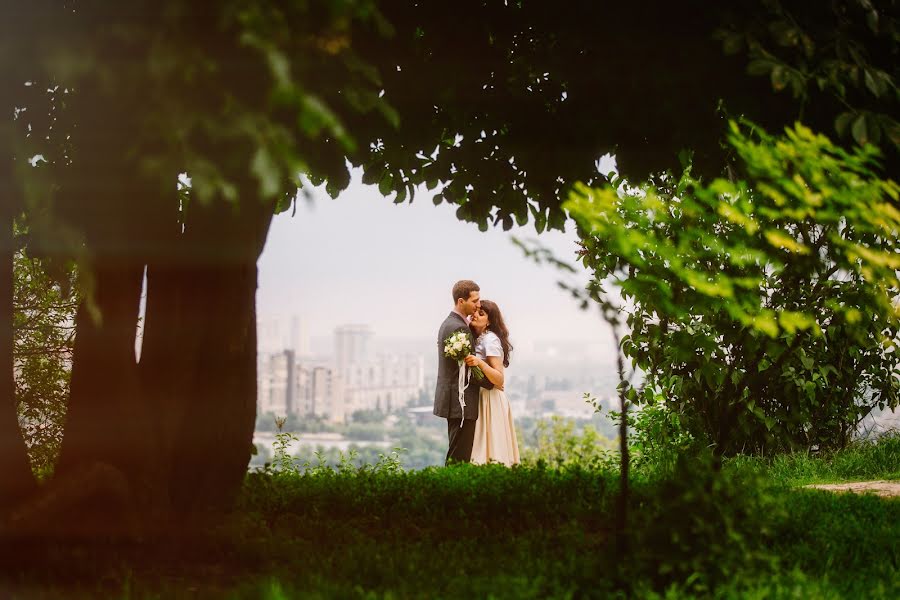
point(461, 439)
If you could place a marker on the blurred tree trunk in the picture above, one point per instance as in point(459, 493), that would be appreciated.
point(212, 440)
point(163, 370)
point(105, 423)
point(198, 363)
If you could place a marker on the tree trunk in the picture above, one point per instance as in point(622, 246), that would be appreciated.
point(16, 479)
point(204, 397)
point(105, 423)
point(164, 372)
point(213, 440)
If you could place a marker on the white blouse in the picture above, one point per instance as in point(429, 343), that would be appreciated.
point(488, 344)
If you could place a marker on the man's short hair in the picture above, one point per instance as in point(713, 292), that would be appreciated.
point(463, 289)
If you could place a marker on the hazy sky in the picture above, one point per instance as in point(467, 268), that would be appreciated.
point(362, 259)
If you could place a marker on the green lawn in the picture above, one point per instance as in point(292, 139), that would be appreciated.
point(482, 532)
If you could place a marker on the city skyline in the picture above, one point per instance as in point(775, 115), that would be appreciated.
point(569, 358)
point(362, 259)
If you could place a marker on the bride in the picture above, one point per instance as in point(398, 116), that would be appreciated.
point(495, 434)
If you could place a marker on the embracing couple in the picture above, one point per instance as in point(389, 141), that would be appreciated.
point(479, 418)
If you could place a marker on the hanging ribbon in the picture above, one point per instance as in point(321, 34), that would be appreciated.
point(463, 384)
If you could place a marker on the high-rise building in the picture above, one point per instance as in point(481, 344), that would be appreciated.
point(326, 394)
point(351, 345)
point(299, 340)
point(286, 386)
point(387, 383)
point(290, 382)
point(276, 390)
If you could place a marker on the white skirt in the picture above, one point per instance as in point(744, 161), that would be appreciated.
point(495, 433)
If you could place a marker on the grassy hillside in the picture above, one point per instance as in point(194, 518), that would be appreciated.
point(528, 532)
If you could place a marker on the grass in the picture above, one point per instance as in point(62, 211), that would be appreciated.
point(862, 461)
point(531, 532)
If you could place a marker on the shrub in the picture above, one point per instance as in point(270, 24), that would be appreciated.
point(701, 527)
point(762, 310)
point(558, 444)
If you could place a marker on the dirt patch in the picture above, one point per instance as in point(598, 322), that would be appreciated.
point(888, 489)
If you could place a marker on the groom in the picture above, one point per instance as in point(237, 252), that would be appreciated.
point(461, 431)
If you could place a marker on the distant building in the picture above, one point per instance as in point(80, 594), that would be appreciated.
point(286, 386)
point(291, 383)
point(275, 389)
point(385, 384)
point(299, 341)
point(274, 334)
point(351, 345)
point(420, 415)
point(326, 395)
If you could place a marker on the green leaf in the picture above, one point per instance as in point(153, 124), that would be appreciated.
point(792, 321)
point(842, 122)
point(765, 322)
point(876, 86)
point(390, 114)
point(872, 19)
point(266, 170)
point(386, 185)
point(780, 239)
point(860, 134)
point(779, 77)
point(759, 67)
point(732, 43)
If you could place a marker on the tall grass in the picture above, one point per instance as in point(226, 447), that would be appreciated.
point(863, 460)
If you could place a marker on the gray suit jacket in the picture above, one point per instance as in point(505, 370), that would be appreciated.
point(446, 394)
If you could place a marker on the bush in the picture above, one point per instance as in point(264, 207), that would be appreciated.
point(558, 444)
point(656, 437)
point(761, 310)
point(700, 527)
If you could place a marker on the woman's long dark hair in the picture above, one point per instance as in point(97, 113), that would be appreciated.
point(495, 318)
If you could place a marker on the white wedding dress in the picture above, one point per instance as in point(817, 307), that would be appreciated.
point(495, 433)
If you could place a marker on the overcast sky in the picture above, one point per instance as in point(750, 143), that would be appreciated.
point(362, 259)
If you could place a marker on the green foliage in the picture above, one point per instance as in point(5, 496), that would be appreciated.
point(701, 528)
point(372, 432)
point(308, 424)
point(489, 531)
point(283, 464)
point(44, 304)
point(762, 310)
point(656, 437)
point(367, 416)
point(282, 461)
point(840, 55)
point(557, 444)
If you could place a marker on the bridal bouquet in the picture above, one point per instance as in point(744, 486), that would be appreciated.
point(458, 346)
